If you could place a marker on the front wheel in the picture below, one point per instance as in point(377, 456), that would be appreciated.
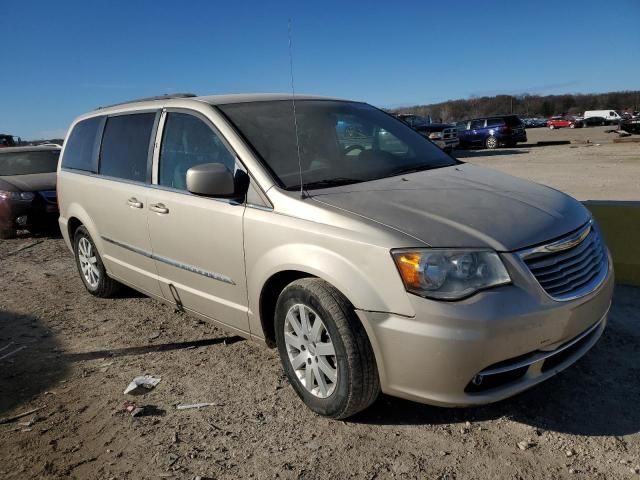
point(90, 266)
point(324, 349)
point(551, 127)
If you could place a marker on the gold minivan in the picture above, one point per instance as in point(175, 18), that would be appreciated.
point(327, 228)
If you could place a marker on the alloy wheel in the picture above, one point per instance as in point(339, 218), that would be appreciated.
point(310, 350)
point(88, 262)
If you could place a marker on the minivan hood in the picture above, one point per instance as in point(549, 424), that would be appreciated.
point(35, 182)
point(462, 206)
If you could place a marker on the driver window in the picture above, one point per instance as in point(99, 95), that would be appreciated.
point(188, 141)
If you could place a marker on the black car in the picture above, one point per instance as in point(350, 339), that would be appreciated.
point(28, 189)
point(630, 125)
point(491, 132)
point(590, 122)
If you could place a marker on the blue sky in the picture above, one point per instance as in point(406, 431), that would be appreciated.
point(67, 57)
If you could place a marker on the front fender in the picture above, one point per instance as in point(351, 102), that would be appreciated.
point(368, 279)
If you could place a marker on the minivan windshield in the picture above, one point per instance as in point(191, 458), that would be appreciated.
point(28, 163)
point(339, 142)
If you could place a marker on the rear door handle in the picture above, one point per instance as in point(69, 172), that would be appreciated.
point(134, 203)
point(159, 208)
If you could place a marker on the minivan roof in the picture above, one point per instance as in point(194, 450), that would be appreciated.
point(220, 99)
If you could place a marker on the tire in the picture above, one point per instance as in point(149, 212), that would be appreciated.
point(8, 233)
point(491, 143)
point(356, 384)
point(551, 127)
point(573, 125)
point(96, 280)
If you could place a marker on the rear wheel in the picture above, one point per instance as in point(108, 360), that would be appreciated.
point(491, 143)
point(324, 349)
point(90, 266)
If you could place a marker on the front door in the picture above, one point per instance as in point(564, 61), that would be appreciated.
point(197, 241)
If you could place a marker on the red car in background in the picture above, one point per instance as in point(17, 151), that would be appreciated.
point(561, 121)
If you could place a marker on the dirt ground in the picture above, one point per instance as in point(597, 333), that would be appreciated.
point(589, 166)
point(81, 352)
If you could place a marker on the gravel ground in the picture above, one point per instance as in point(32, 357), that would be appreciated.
point(81, 352)
point(589, 166)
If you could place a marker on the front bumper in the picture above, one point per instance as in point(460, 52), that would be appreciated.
point(447, 144)
point(434, 356)
point(16, 214)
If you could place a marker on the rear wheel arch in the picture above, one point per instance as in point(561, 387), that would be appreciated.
point(72, 226)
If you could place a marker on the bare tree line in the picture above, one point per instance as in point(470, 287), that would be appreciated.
point(527, 105)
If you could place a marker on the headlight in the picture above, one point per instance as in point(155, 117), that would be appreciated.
point(449, 274)
point(435, 135)
point(17, 195)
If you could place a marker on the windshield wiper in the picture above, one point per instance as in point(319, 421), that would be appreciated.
point(414, 169)
point(327, 183)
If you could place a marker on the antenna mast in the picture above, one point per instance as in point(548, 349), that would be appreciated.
point(293, 100)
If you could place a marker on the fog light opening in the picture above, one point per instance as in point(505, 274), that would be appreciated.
point(22, 221)
point(477, 380)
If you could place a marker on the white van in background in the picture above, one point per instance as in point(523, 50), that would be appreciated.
point(610, 116)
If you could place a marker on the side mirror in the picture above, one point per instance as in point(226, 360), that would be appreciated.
point(212, 180)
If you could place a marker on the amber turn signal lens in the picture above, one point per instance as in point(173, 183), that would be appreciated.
point(409, 267)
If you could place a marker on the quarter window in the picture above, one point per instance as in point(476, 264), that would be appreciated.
point(186, 142)
point(79, 152)
point(125, 146)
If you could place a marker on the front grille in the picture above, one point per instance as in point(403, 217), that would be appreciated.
point(449, 133)
point(571, 267)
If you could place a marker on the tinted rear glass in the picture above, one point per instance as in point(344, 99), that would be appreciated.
point(79, 152)
point(125, 146)
point(512, 121)
point(27, 163)
point(495, 122)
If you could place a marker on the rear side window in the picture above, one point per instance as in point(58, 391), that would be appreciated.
point(80, 150)
point(475, 124)
point(125, 146)
point(495, 122)
point(188, 141)
point(512, 121)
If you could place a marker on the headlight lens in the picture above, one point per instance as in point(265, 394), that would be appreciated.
point(435, 135)
point(449, 274)
point(17, 195)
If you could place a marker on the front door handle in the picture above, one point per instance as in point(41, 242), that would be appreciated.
point(134, 203)
point(159, 208)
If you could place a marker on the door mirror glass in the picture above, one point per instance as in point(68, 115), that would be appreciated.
point(211, 180)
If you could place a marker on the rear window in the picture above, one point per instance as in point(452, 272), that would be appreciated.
point(495, 122)
point(28, 163)
point(80, 149)
point(512, 121)
point(125, 146)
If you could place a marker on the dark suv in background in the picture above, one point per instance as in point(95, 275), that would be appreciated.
point(491, 132)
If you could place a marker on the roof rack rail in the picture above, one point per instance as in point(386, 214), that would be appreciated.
point(146, 99)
